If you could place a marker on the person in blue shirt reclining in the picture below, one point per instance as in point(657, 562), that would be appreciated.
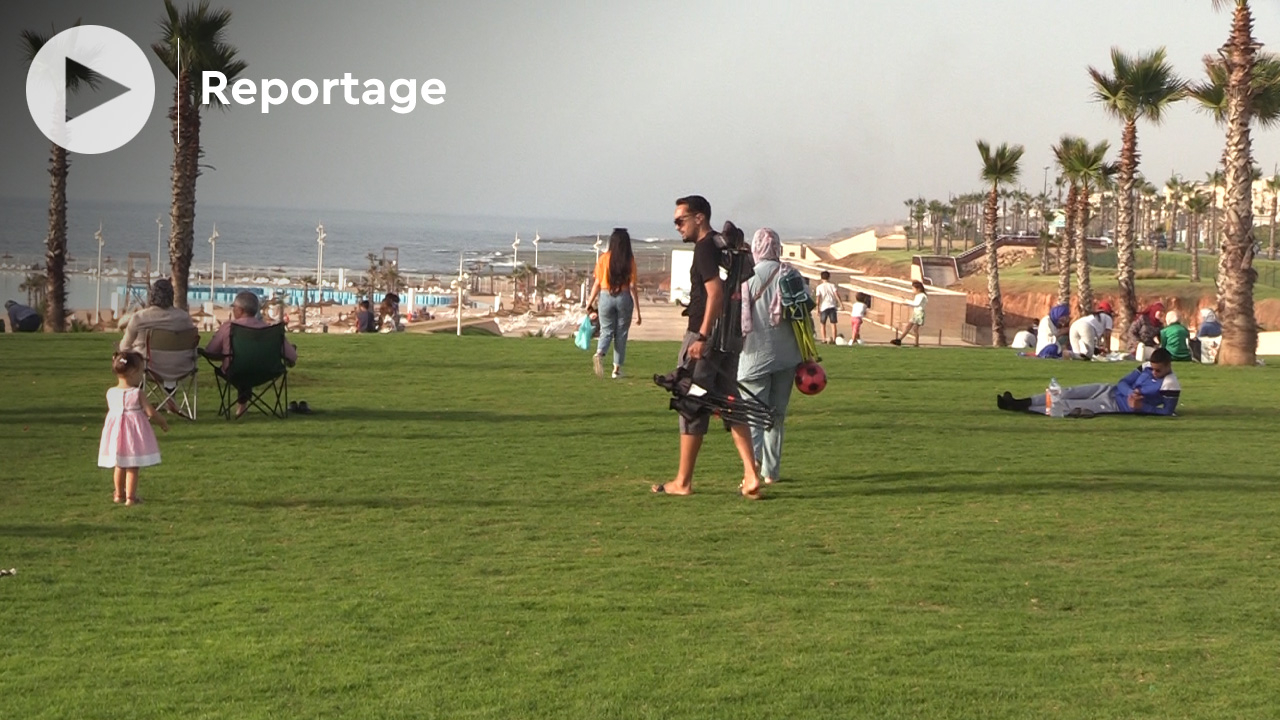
point(1152, 389)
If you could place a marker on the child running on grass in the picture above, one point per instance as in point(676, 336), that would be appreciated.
point(861, 302)
point(128, 443)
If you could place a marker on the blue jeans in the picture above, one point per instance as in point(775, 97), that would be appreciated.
point(774, 390)
point(615, 324)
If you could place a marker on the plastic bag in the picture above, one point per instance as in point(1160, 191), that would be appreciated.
point(583, 337)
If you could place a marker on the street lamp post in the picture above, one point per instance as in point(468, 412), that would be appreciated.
point(320, 236)
point(459, 284)
point(1045, 191)
point(516, 247)
point(213, 251)
point(536, 239)
point(97, 291)
point(597, 247)
point(159, 229)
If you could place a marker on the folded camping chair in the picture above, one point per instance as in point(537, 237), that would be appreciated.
point(172, 362)
point(257, 361)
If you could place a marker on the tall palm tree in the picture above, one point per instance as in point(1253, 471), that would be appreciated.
point(1139, 87)
point(920, 210)
point(1173, 199)
point(1273, 186)
point(1243, 86)
point(937, 216)
point(1197, 206)
point(1062, 152)
point(200, 34)
point(1087, 167)
point(55, 274)
point(1215, 180)
point(1000, 166)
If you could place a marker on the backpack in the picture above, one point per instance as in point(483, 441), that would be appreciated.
point(797, 303)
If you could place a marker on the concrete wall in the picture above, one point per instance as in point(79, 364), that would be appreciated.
point(945, 313)
point(860, 243)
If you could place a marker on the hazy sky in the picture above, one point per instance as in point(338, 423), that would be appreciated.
point(806, 115)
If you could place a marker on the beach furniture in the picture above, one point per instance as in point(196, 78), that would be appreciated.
point(257, 362)
point(170, 379)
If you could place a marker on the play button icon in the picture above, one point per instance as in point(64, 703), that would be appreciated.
point(97, 120)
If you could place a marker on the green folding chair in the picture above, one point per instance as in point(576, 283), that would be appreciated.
point(170, 380)
point(257, 363)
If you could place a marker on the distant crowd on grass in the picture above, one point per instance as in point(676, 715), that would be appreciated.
point(1089, 337)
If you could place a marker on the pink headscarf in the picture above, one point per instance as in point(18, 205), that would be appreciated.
point(765, 245)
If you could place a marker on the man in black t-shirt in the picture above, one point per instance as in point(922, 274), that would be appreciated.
point(713, 369)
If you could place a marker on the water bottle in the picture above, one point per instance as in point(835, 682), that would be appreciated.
point(1053, 400)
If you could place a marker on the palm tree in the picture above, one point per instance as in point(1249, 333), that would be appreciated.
point(1139, 87)
point(1062, 152)
point(1215, 180)
point(1087, 167)
point(200, 34)
point(1273, 186)
point(1197, 206)
point(937, 216)
point(998, 167)
point(1243, 86)
point(919, 210)
point(55, 275)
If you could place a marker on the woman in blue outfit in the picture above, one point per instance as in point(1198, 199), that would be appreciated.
point(770, 352)
point(1152, 389)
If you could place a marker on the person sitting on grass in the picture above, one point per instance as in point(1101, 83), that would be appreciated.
point(1025, 338)
point(1143, 332)
point(1152, 389)
point(244, 311)
point(1052, 326)
point(1175, 337)
point(365, 321)
point(1091, 333)
point(21, 317)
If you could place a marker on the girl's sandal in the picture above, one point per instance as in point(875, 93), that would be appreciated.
point(117, 499)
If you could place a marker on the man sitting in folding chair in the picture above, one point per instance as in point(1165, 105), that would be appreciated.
point(247, 353)
point(171, 370)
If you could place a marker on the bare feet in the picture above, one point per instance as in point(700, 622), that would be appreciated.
point(135, 500)
point(117, 498)
point(671, 488)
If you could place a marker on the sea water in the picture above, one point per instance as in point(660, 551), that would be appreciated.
point(261, 241)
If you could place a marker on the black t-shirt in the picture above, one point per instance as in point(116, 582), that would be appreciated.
point(706, 265)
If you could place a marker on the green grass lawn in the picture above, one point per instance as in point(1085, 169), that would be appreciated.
point(463, 529)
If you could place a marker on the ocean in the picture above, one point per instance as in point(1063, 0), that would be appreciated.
point(253, 241)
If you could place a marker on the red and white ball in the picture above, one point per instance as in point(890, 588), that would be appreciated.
point(810, 378)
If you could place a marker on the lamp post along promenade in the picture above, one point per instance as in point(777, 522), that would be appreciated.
point(213, 252)
point(97, 291)
point(320, 236)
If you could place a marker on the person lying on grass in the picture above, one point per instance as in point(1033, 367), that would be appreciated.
point(1152, 389)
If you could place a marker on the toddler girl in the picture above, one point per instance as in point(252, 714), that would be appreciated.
point(128, 442)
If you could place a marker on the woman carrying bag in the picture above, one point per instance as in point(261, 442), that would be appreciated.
point(770, 352)
point(616, 275)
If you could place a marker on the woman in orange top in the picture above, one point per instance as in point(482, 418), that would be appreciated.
point(616, 275)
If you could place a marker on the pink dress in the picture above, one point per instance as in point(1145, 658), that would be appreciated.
point(127, 438)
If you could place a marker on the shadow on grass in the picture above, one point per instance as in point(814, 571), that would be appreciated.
point(484, 416)
point(332, 502)
point(924, 482)
point(56, 531)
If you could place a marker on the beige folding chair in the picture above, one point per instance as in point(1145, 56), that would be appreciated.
point(171, 370)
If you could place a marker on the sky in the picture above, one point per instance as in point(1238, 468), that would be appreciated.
point(808, 116)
